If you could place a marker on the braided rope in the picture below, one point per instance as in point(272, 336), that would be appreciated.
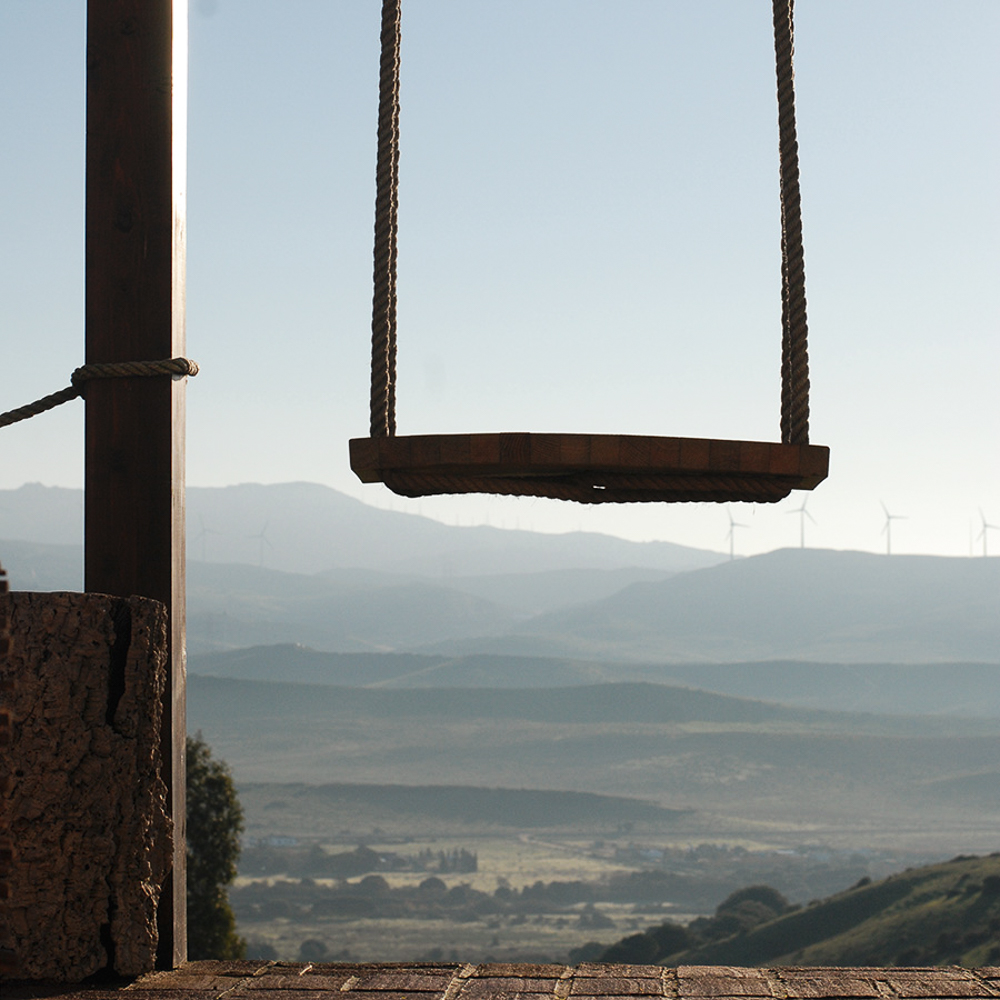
point(794, 329)
point(176, 367)
point(591, 488)
point(383, 384)
point(795, 359)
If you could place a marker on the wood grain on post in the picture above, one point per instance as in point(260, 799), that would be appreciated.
point(135, 260)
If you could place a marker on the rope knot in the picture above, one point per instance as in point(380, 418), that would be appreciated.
point(176, 367)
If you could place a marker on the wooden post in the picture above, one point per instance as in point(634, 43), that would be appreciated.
point(135, 263)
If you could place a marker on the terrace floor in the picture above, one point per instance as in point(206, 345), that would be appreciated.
point(290, 981)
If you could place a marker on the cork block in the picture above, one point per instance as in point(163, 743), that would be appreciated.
point(85, 839)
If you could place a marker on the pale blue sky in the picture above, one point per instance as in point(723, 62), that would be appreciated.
point(589, 242)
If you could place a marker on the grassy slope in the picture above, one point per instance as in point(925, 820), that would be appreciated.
point(936, 915)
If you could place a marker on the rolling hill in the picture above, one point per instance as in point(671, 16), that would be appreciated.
point(845, 778)
point(795, 604)
point(971, 689)
point(311, 808)
point(943, 914)
point(792, 605)
point(307, 528)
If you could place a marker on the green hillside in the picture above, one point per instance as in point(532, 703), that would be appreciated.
point(942, 914)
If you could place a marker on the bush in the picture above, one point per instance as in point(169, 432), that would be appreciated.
point(312, 950)
point(670, 938)
point(589, 952)
point(991, 885)
point(261, 951)
point(636, 949)
point(765, 895)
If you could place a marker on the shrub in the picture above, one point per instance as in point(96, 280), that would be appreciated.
point(214, 824)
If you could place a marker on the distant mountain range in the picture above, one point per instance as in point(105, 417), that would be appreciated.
point(308, 528)
point(341, 577)
point(809, 604)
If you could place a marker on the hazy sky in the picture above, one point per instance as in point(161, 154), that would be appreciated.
point(589, 242)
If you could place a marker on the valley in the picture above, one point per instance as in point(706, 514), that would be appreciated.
point(618, 733)
point(396, 872)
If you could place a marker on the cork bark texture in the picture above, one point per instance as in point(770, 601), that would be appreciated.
point(85, 838)
point(6, 738)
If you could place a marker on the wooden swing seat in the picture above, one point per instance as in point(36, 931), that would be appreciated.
point(589, 468)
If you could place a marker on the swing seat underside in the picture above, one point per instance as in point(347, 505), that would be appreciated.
point(590, 468)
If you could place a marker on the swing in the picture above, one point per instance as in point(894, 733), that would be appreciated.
point(589, 468)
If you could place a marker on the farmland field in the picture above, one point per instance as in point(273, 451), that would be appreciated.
point(480, 889)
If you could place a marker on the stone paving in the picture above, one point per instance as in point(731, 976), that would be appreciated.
point(495, 981)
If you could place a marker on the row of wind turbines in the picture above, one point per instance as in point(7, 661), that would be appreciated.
point(886, 528)
point(263, 541)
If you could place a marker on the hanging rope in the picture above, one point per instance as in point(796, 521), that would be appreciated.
point(794, 353)
point(383, 392)
point(177, 367)
point(592, 487)
point(794, 330)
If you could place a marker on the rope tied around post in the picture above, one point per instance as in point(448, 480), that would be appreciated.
point(174, 367)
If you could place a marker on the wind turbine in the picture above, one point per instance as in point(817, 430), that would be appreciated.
point(733, 525)
point(887, 527)
point(200, 537)
point(262, 537)
point(987, 527)
point(803, 514)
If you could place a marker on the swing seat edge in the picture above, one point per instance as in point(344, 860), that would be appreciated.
point(627, 467)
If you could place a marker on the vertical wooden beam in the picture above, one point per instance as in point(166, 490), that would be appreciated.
point(135, 264)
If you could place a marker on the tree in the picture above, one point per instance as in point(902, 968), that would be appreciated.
point(312, 950)
point(636, 949)
point(214, 824)
point(766, 895)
